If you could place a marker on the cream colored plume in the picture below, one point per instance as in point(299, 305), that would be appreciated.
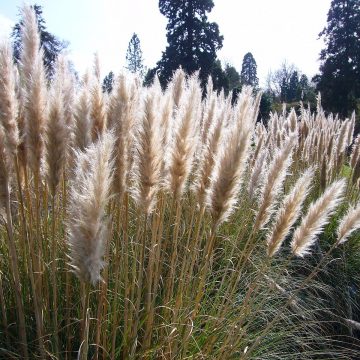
point(184, 141)
point(33, 74)
point(148, 156)
point(316, 218)
point(348, 224)
point(272, 185)
point(227, 176)
point(8, 100)
point(89, 194)
point(289, 212)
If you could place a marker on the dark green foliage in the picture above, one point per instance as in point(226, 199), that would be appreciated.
point(294, 91)
point(339, 78)
point(134, 56)
point(265, 106)
point(233, 77)
point(249, 71)
point(51, 45)
point(192, 40)
point(149, 77)
point(108, 82)
point(220, 80)
point(288, 85)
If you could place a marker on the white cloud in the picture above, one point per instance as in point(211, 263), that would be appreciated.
point(5, 27)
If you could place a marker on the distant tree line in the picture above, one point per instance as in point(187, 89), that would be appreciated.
point(193, 42)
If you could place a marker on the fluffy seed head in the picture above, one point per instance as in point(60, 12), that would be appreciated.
point(89, 193)
point(348, 224)
point(316, 218)
point(227, 176)
point(8, 101)
point(184, 141)
point(33, 73)
point(57, 134)
point(148, 158)
point(288, 213)
point(275, 178)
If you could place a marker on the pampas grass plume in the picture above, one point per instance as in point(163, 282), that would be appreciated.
point(348, 224)
point(316, 218)
point(289, 212)
point(226, 178)
point(148, 157)
point(32, 70)
point(8, 101)
point(57, 136)
point(89, 194)
point(275, 177)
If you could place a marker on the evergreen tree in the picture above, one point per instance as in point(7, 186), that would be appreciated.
point(220, 80)
point(307, 91)
point(134, 56)
point(266, 104)
point(284, 89)
point(303, 83)
point(192, 40)
point(249, 71)
point(51, 45)
point(233, 77)
point(149, 77)
point(293, 91)
point(108, 82)
point(339, 78)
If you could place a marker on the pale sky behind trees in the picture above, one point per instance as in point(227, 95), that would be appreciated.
point(272, 30)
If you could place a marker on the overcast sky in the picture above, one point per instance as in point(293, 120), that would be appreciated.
point(273, 30)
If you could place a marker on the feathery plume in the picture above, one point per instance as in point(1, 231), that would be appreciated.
point(348, 224)
point(32, 70)
point(82, 124)
point(98, 111)
point(177, 84)
point(226, 178)
point(342, 139)
point(148, 157)
point(121, 116)
point(30, 38)
point(207, 160)
point(275, 177)
point(57, 135)
point(316, 218)
point(351, 129)
point(8, 101)
point(293, 120)
point(289, 212)
point(355, 152)
point(258, 173)
point(89, 193)
point(184, 141)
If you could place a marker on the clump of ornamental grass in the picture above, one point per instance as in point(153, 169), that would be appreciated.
point(89, 194)
point(169, 223)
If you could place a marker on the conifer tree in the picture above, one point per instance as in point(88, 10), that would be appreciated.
point(50, 44)
point(249, 71)
point(339, 78)
point(192, 40)
point(134, 57)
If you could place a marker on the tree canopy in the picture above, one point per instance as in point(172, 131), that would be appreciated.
point(134, 57)
point(249, 71)
point(108, 82)
point(192, 40)
point(339, 78)
point(51, 45)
